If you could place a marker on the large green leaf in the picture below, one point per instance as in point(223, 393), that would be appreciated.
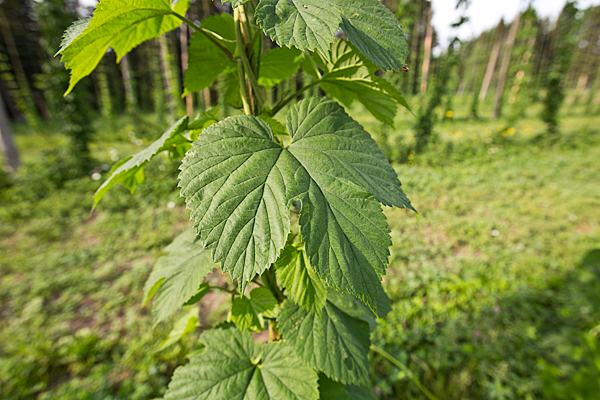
point(375, 31)
point(120, 24)
point(206, 60)
point(278, 64)
point(233, 367)
point(177, 276)
point(333, 342)
point(130, 171)
point(300, 280)
point(350, 76)
point(304, 24)
point(239, 185)
point(233, 184)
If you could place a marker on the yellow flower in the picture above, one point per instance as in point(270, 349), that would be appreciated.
point(411, 157)
point(458, 133)
point(410, 163)
point(511, 131)
point(449, 113)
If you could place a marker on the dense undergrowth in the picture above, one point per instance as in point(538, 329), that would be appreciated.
point(491, 298)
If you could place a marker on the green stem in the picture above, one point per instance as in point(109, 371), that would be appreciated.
point(243, 88)
point(292, 96)
point(234, 291)
point(209, 34)
point(404, 368)
point(240, 18)
point(270, 280)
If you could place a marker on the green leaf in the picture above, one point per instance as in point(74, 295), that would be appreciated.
point(304, 24)
point(120, 24)
point(331, 390)
point(375, 31)
point(349, 76)
point(233, 367)
point(178, 276)
point(264, 302)
point(243, 315)
point(357, 309)
point(130, 171)
point(278, 64)
point(247, 311)
point(205, 119)
point(236, 194)
point(73, 32)
point(360, 393)
point(333, 342)
point(239, 185)
point(206, 60)
point(300, 280)
point(184, 325)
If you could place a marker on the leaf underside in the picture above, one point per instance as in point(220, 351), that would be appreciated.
point(129, 171)
point(234, 367)
point(120, 24)
point(239, 185)
point(310, 25)
point(350, 76)
point(375, 31)
point(177, 276)
point(304, 24)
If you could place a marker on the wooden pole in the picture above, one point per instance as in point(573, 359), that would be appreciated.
point(427, 54)
point(183, 39)
point(510, 41)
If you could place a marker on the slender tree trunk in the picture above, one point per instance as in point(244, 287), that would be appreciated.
point(512, 34)
point(489, 72)
point(189, 101)
point(15, 60)
point(416, 43)
point(7, 144)
point(130, 97)
point(206, 91)
point(167, 74)
point(427, 54)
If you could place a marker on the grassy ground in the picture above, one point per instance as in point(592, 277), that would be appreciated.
point(491, 299)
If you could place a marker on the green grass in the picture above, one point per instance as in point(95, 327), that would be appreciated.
point(490, 300)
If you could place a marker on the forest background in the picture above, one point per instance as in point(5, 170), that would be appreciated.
point(494, 283)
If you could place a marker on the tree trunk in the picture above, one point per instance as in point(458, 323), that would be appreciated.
point(7, 145)
point(130, 97)
point(510, 41)
point(206, 91)
point(427, 54)
point(489, 72)
point(183, 38)
point(15, 61)
point(416, 46)
point(167, 75)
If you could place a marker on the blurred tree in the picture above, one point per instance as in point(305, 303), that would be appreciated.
point(564, 40)
point(508, 46)
point(7, 145)
point(75, 110)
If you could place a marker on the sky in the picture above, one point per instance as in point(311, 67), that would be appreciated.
point(485, 14)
